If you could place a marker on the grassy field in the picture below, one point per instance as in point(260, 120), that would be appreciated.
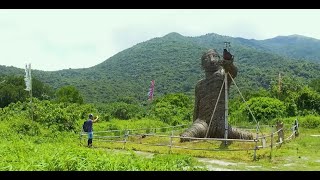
point(298, 154)
point(48, 150)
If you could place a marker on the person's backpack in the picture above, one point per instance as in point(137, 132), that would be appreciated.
point(85, 126)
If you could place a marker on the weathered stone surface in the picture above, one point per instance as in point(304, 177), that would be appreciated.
point(206, 94)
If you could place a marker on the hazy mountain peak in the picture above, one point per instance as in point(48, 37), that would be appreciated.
point(173, 34)
point(297, 35)
point(293, 37)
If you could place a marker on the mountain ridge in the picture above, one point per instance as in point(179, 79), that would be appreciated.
point(174, 62)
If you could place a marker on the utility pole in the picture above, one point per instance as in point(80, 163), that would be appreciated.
point(226, 106)
point(28, 81)
point(31, 92)
point(227, 47)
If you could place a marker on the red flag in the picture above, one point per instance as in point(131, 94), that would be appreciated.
point(150, 94)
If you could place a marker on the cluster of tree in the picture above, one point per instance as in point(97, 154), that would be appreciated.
point(12, 89)
point(65, 107)
point(289, 98)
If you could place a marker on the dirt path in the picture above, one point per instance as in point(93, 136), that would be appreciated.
point(219, 165)
point(210, 164)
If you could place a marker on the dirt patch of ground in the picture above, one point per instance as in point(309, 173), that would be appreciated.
point(210, 164)
point(219, 165)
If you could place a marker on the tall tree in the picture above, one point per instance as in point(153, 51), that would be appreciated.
point(69, 94)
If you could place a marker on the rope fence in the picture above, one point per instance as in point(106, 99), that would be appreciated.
point(172, 140)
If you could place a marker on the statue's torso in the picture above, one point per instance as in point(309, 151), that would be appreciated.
point(207, 92)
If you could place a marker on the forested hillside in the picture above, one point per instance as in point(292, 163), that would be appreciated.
point(173, 61)
point(294, 46)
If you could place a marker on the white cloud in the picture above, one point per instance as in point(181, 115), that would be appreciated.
point(60, 39)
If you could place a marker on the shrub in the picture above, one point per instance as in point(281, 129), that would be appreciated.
point(263, 108)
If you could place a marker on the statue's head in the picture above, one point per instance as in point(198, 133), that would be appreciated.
point(209, 60)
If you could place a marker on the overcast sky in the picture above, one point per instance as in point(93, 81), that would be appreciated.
point(60, 39)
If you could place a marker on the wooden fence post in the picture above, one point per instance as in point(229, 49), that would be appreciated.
point(255, 148)
point(296, 128)
point(256, 144)
point(170, 146)
point(125, 138)
point(280, 132)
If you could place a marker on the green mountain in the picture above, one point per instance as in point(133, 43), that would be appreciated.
point(173, 61)
point(294, 46)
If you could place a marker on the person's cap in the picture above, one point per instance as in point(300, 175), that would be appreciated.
point(90, 115)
